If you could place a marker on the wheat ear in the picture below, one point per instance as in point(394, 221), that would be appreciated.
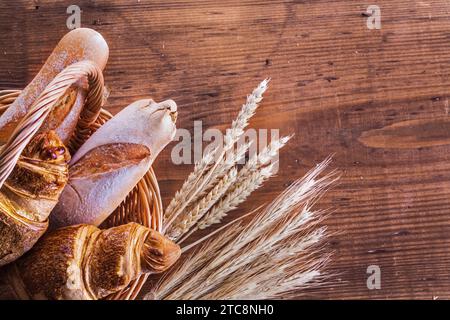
point(277, 253)
point(249, 178)
point(191, 180)
point(201, 178)
point(231, 200)
point(236, 196)
point(187, 221)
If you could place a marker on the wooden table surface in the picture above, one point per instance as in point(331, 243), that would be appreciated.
point(377, 99)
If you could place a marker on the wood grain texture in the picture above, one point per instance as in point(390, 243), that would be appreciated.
point(377, 99)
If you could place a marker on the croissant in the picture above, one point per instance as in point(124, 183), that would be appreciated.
point(30, 193)
point(84, 262)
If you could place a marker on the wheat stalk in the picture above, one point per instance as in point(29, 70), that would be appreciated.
point(249, 178)
point(288, 267)
point(200, 179)
point(231, 159)
point(231, 200)
point(262, 158)
point(269, 257)
point(185, 222)
point(226, 163)
point(193, 177)
point(236, 196)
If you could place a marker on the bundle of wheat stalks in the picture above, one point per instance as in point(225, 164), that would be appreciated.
point(278, 252)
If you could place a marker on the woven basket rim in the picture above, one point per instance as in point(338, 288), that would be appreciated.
point(142, 205)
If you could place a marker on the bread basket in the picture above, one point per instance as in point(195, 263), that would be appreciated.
point(142, 205)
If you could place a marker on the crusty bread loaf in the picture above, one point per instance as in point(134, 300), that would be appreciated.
point(112, 161)
point(77, 45)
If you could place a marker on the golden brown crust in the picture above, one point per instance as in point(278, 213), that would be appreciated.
point(17, 233)
point(51, 269)
point(95, 190)
point(60, 110)
point(158, 253)
point(114, 259)
point(41, 171)
point(84, 262)
point(30, 193)
point(77, 45)
point(39, 177)
point(108, 158)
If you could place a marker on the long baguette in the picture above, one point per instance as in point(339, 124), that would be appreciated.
point(111, 162)
point(77, 45)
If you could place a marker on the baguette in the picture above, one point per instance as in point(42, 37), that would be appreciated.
point(112, 161)
point(30, 193)
point(85, 263)
point(77, 45)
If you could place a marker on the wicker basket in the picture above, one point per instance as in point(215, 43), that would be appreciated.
point(142, 205)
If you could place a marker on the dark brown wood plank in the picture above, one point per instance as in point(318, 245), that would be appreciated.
point(377, 99)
